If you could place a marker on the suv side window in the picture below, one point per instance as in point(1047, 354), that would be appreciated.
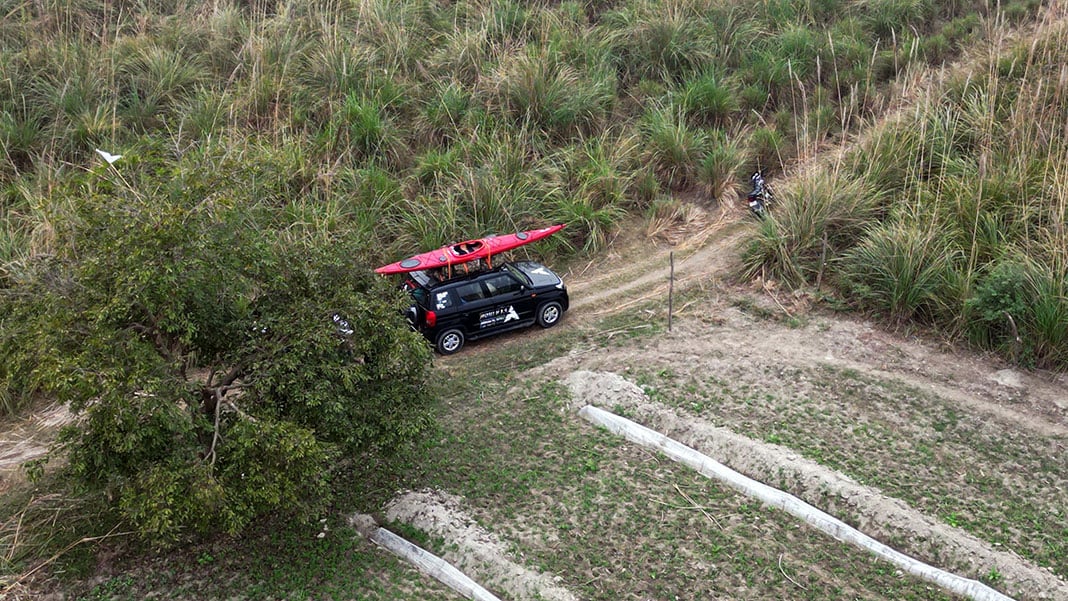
point(443, 299)
point(470, 291)
point(501, 284)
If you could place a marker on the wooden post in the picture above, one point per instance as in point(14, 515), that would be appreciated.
point(671, 286)
point(823, 262)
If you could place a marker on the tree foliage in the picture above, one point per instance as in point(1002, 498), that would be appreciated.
point(218, 359)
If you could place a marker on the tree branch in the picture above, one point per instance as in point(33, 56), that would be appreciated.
point(238, 411)
point(217, 393)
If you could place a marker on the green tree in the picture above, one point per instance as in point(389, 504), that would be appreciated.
point(219, 360)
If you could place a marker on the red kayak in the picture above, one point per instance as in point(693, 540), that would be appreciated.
point(470, 250)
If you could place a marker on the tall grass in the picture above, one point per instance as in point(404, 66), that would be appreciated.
point(436, 121)
point(674, 148)
point(904, 269)
point(971, 237)
point(289, 68)
point(539, 89)
point(816, 218)
point(721, 167)
point(708, 100)
point(594, 183)
point(666, 45)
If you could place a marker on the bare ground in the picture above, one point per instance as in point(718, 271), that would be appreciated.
point(877, 515)
point(472, 548)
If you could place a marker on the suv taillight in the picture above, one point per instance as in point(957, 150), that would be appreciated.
point(431, 319)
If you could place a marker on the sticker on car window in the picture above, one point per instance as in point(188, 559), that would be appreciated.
point(442, 300)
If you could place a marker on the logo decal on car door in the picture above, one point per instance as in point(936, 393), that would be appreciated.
point(497, 316)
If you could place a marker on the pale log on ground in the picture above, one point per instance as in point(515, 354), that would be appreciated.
point(424, 561)
point(472, 548)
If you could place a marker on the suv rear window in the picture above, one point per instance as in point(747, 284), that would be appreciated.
point(442, 299)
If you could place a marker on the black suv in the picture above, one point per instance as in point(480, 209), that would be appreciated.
point(513, 295)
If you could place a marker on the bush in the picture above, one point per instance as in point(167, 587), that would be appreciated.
point(812, 222)
point(999, 306)
point(1020, 308)
point(906, 271)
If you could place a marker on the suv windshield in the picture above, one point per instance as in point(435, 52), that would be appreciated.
point(519, 275)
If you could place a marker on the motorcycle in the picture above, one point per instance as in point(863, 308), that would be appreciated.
point(760, 197)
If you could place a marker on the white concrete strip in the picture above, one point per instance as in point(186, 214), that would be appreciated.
point(838, 529)
point(425, 562)
point(472, 548)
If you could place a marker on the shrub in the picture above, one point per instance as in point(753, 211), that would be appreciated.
point(812, 221)
point(673, 148)
point(999, 305)
point(708, 101)
point(903, 270)
point(1020, 308)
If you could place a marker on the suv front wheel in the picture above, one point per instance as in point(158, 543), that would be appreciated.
point(450, 341)
point(549, 314)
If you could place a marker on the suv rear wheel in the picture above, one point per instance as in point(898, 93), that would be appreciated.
point(450, 341)
point(549, 314)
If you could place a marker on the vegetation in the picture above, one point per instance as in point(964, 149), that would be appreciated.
point(205, 302)
point(965, 211)
point(219, 357)
point(436, 120)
